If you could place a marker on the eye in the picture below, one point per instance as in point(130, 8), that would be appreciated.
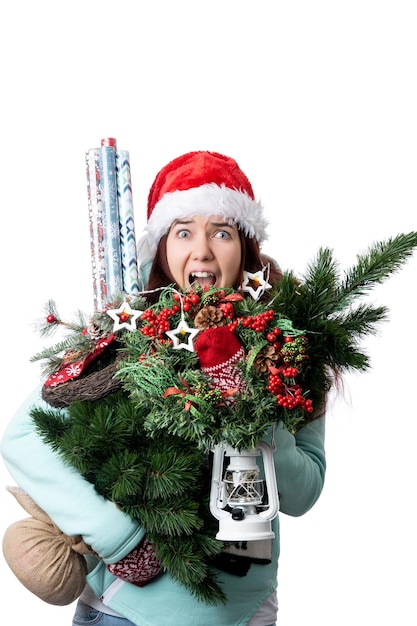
point(182, 234)
point(222, 234)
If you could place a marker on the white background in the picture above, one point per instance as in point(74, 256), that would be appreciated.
point(317, 101)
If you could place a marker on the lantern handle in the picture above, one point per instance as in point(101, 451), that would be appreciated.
point(271, 481)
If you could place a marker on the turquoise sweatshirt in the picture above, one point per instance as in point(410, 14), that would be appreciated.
point(78, 509)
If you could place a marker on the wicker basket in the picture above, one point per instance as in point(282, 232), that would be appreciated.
point(95, 383)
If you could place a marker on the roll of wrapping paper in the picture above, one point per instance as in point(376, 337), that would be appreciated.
point(128, 255)
point(109, 141)
point(95, 214)
point(108, 186)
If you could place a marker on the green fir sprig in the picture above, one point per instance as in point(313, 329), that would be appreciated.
point(81, 334)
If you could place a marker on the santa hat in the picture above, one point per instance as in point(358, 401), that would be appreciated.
point(203, 183)
point(199, 183)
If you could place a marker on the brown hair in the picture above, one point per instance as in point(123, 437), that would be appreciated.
point(251, 260)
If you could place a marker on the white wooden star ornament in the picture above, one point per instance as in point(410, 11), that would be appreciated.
point(255, 283)
point(124, 317)
point(183, 336)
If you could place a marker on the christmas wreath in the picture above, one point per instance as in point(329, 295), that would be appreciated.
point(200, 368)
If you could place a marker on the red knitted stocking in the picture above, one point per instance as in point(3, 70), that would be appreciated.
point(219, 350)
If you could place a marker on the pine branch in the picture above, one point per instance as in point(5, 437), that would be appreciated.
point(51, 425)
point(186, 557)
point(382, 260)
point(362, 321)
point(52, 321)
point(320, 284)
point(171, 473)
point(43, 328)
point(79, 344)
point(175, 518)
point(122, 477)
point(208, 590)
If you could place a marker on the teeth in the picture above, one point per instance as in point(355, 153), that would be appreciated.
point(202, 274)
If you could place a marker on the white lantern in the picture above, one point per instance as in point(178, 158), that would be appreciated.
point(237, 497)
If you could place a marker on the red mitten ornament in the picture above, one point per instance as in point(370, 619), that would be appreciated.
point(139, 567)
point(219, 350)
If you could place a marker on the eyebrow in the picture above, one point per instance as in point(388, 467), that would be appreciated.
point(223, 224)
point(190, 221)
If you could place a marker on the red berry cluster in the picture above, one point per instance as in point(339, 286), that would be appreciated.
point(158, 323)
point(288, 393)
point(189, 300)
point(258, 323)
point(228, 309)
point(294, 399)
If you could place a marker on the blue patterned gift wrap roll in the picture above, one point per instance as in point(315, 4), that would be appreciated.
point(108, 186)
point(127, 224)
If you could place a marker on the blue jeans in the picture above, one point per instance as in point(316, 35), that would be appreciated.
point(87, 616)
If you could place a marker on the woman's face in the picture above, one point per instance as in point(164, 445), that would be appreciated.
point(204, 250)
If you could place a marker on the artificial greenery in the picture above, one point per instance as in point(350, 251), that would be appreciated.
point(161, 482)
point(146, 446)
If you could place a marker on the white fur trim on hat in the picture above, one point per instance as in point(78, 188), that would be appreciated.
point(209, 199)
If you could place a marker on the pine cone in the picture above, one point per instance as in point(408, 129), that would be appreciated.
point(209, 317)
point(94, 330)
point(265, 358)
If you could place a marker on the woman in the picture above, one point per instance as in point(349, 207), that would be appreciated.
point(204, 227)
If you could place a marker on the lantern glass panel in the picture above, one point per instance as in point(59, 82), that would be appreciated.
point(244, 487)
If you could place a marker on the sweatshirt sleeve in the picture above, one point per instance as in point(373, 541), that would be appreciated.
point(70, 500)
point(300, 466)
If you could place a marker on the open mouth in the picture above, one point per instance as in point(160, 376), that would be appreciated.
point(204, 279)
